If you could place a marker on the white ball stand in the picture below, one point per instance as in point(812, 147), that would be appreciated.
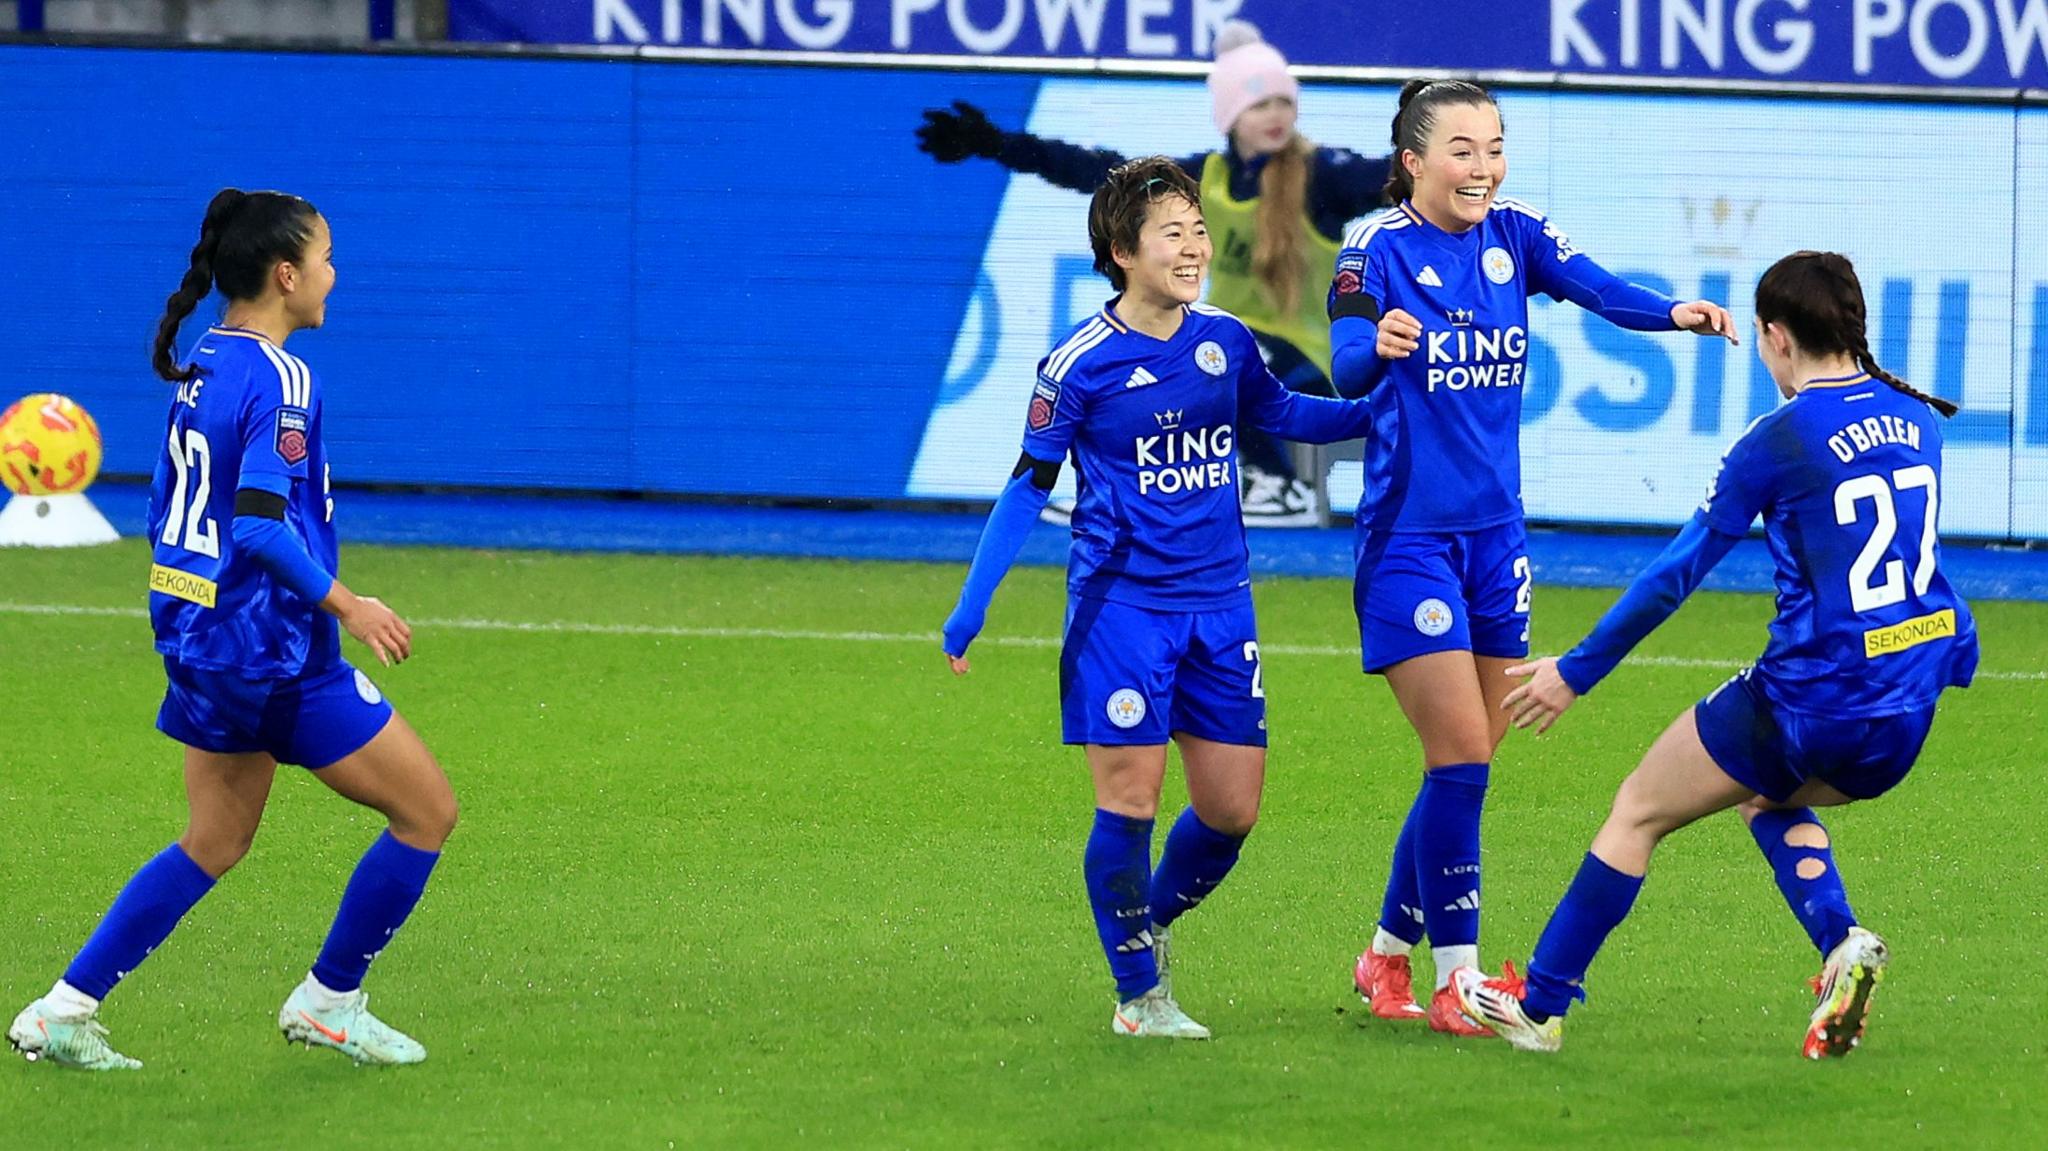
point(67, 521)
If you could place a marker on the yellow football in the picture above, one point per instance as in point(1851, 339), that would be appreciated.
point(48, 446)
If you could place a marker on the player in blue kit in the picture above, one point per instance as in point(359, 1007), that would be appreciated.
point(245, 603)
point(1161, 643)
point(1847, 478)
point(1430, 318)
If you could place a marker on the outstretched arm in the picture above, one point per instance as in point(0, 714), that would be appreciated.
point(1651, 599)
point(1265, 403)
point(964, 131)
point(1557, 682)
point(1565, 273)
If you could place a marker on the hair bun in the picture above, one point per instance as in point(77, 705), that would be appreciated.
point(1412, 89)
point(1236, 34)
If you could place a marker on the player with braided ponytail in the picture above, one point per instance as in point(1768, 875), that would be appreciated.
point(246, 620)
point(1841, 327)
point(1847, 478)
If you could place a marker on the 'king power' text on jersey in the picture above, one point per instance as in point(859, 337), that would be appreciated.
point(1444, 454)
point(1152, 426)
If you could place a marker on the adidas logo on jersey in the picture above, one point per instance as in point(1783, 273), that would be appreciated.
point(1142, 941)
point(1429, 278)
point(1466, 902)
point(1139, 378)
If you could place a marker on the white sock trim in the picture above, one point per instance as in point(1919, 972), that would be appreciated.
point(1385, 943)
point(324, 997)
point(70, 1000)
point(1449, 959)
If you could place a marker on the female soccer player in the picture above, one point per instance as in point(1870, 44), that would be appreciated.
point(1161, 642)
point(1431, 321)
point(244, 602)
point(1847, 476)
point(1277, 204)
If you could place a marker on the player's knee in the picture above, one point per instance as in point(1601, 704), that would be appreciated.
point(427, 820)
point(1235, 821)
point(1462, 747)
point(217, 849)
point(440, 815)
point(1132, 805)
point(1636, 810)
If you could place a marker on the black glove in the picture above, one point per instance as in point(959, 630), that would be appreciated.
point(951, 137)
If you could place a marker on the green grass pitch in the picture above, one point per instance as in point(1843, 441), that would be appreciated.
point(741, 864)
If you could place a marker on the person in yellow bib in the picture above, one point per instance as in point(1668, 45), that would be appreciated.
point(1276, 205)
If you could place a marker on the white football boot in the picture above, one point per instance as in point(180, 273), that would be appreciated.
point(347, 1027)
point(1155, 1015)
point(66, 1039)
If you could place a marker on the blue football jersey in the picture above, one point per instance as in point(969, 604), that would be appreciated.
point(250, 420)
point(1847, 476)
point(1445, 453)
point(1152, 428)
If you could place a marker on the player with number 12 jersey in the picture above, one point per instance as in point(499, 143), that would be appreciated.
point(247, 614)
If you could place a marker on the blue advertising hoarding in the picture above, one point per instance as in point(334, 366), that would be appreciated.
point(1987, 43)
point(745, 280)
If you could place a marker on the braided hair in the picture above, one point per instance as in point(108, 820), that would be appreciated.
point(244, 236)
point(1817, 297)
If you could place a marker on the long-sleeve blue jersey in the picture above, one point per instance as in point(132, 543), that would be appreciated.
point(1445, 450)
point(251, 420)
point(1847, 478)
point(1152, 427)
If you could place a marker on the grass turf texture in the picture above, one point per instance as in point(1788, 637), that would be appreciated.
point(738, 889)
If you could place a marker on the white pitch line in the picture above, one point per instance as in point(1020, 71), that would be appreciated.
point(666, 631)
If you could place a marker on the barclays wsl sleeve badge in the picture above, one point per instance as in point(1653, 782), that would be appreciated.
point(291, 436)
point(1210, 358)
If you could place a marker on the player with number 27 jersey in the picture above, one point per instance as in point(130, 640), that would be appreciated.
point(1847, 478)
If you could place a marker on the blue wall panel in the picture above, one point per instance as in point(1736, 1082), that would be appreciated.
point(744, 279)
point(596, 275)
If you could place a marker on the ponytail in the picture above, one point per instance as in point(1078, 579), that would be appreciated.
point(243, 238)
point(1420, 100)
point(1817, 297)
point(1280, 224)
point(1868, 362)
point(197, 285)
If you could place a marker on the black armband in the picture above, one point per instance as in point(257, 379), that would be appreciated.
point(1355, 304)
point(1044, 473)
point(259, 503)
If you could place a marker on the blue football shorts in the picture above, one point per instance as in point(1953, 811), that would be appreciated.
point(311, 720)
point(1422, 592)
point(1132, 676)
point(1774, 751)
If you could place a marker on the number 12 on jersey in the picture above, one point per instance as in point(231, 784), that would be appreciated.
point(192, 459)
